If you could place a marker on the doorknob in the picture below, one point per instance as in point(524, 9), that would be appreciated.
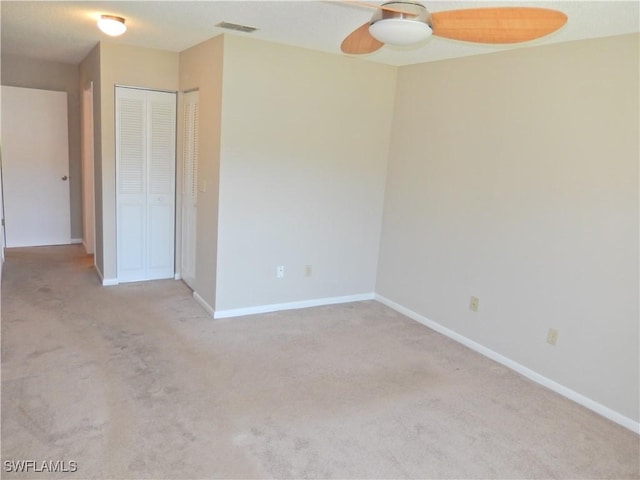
point(65, 177)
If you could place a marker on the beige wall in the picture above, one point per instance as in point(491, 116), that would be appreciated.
point(305, 139)
point(128, 66)
point(201, 68)
point(514, 177)
point(30, 73)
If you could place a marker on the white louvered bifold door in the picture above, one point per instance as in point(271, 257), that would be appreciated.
point(189, 187)
point(145, 172)
point(161, 191)
point(131, 183)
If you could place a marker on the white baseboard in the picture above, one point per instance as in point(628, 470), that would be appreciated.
point(76, 240)
point(177, 276)
point(276, 307)
point(86, 248)
point(208, 308)
point(521, 369)
point(106, 282)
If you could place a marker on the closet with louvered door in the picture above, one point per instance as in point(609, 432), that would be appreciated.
point(190, 127)
point(145, 184)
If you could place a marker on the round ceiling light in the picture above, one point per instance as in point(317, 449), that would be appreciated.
point(404, 23)
point(112, 25)
point(396, 31)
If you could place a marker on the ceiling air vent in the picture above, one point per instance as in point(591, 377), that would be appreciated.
point(236, 27)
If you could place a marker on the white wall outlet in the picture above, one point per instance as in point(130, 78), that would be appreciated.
point(307, 270)
point(473, 304)
point(280, 271)
point(552, 336)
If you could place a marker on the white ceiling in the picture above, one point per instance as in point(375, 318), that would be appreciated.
point(66, 31)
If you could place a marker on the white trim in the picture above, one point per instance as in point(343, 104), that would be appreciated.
point(95, 267)
point(208, 308)
point(106, 282)
point(276, 307)
point(76, 240)
point(177, 276)
point(513, 365)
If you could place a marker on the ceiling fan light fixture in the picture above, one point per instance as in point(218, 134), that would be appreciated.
point(112, 25)
point(401, 23)
point(400, 31)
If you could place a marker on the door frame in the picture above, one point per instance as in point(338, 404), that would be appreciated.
point(88, 167)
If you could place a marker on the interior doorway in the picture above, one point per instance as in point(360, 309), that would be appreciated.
point(88, 200)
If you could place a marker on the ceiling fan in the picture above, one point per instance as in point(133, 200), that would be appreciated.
point(408, 22)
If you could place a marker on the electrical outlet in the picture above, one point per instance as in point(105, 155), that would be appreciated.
point(552, 336)
point(307, 270)
point(473, 304)
point(280, 271)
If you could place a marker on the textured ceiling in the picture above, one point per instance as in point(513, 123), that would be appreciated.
point(66, 31)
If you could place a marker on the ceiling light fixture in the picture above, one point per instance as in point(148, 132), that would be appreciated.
point(112, 25)
point(404, 24)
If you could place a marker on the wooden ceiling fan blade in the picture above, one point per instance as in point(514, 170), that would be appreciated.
point(497, 25)
point(360, 41)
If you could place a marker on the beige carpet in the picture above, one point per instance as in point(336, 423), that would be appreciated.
point(136, 381)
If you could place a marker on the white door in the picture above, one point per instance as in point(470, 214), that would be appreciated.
point(35, 161)
point(145, 172)
point(189, 187)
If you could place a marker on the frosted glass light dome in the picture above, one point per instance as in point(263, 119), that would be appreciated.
point(112, 25)
point(407, 24)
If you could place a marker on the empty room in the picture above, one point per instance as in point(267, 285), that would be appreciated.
point(320, 239)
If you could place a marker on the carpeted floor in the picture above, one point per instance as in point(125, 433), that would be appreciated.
point(136, 381)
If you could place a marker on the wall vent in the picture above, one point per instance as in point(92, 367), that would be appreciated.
point(236, 27)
